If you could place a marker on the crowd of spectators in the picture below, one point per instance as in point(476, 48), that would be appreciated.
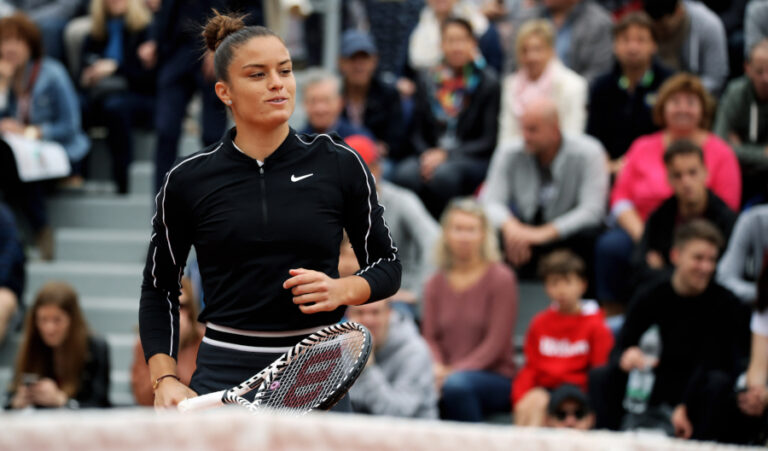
point(612, 150)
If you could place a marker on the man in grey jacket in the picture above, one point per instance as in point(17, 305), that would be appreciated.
point(691, 38)
point(742, 120)
point(412, 227)
point(755, 23)
point(548, 190)
point(398, 379)
point(742, 262)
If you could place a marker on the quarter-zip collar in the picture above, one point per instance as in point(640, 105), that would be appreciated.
point(281, 152)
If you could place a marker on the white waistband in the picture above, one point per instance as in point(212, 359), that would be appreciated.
point(223, 344)
point(254, 333)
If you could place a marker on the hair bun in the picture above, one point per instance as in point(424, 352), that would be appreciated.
point(219, 27)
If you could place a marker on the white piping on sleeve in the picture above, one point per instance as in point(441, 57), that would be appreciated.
point(367, 184)
point(170, 315)
point(154, 265)
point(168, 238)
point(364, 270)
point(165, 187)
point(389, 234)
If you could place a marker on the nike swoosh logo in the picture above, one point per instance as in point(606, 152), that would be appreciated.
point(296, 179)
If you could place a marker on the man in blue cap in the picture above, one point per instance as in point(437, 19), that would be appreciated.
point(369, 102)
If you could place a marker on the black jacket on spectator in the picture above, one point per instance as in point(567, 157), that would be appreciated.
point(11, 254)
point(140, 79)
point(661, 224)
point(731, 12)
point(616, 116)
point(383, 114)
point(94, 381)
point(178, 23)
point(478, 123)
point(698, 334)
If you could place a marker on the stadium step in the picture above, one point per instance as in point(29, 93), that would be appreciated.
point(100, 245)
point(141, 181)
point(89, 279)
point(111, 315)
point(106, 212)
point(532, 300)
point(121, 351)
point(8, 351)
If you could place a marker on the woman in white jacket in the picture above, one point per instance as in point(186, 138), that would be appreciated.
point(541, 73)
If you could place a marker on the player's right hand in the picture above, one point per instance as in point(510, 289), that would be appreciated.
point(170, 393)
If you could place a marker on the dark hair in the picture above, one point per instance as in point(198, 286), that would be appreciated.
point(562, 263)
point(20, 26)
point(460, 22)
point(36, 357)
point(635, 19)
point(657, 9)
point(762, 286)
point(698, 229)
point(224, 34)
point(682, 147)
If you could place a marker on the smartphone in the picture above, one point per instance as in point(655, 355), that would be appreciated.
point(29, 379)
point(741, 383)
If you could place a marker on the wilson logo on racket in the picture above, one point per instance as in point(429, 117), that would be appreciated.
point(311, 374)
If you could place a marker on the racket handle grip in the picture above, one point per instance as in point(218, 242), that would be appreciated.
point(202, 402)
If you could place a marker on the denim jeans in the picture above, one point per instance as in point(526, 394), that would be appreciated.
point(468, 395)
point(613, 257)
point(178, 78)
point(457, 176)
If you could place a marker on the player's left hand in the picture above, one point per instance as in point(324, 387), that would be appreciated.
point(315, 291)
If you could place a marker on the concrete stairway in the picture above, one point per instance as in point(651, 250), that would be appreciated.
point(101, 242)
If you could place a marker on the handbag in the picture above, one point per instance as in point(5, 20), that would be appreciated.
point(36, 159)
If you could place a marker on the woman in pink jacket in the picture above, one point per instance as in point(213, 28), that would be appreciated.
point(683, 110)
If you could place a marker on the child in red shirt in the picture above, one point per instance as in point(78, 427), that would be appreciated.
point(563, 342)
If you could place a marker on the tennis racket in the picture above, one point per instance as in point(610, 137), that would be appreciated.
point(313, 375)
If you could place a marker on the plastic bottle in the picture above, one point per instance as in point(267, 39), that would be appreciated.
point(640, 383)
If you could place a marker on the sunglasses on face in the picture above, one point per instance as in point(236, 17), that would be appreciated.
point(579, 414)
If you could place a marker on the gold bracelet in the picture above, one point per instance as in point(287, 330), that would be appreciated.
point(156, 383)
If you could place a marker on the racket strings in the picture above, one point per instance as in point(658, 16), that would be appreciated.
point(312, 375)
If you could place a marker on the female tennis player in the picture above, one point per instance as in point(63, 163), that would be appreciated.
point(264, 208)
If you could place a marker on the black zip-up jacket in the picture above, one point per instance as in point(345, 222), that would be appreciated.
point(251, 224)
point(478, 123)
point(383, 114)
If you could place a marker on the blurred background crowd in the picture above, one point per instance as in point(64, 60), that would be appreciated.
point(612, 154)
